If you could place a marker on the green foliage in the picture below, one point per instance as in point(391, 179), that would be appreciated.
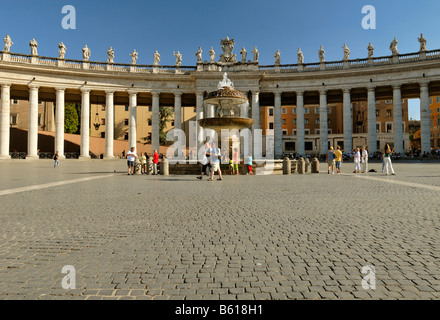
point(71, 119)
point(165, 115)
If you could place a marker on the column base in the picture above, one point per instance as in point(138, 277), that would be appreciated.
point(109, 157)
point(84, 158)
point(29, 157)
point(5, 157)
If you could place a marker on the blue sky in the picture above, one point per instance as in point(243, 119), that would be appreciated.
point(174, 25)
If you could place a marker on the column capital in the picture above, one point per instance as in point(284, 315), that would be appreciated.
point(59, 89)
point(323, 91)
point(155, 93)
point(424, 84)
point(5, 85)
point(278, 93)
point(299, 92)
point(34, 86)
point(346, 90)
point(132, 92)
point(371, 88)
point(85, 90)
point(396, 86)
point(109, 92)
point(255, 92)
point(178, 93)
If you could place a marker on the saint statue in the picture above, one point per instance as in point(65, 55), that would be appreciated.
point(393, 47)
point(256, 54)
point(346, 53)
point(277, 57)
point(62, 50)
point(300, 56)
point(422, 41)
point(178, 58)
point(111, 55)
point(321, 53)
point(211, 55)
point(156, 58)
point(86, 53)
point(134, 56)
point(243, 53)
point(370, 50)
point(34, 45)
point(8, 43)
point(227, 48)
point(199, 55)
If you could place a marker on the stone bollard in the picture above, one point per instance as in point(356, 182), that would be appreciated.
point(150, 166)
point(307, 165)
point(287, 166)
point(301, 166)
point(315, 165)
point(137, 166)
point(294, 166)
point(164, 167)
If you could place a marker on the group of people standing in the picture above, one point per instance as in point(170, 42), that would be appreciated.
point(143, 158)
point(360, 158)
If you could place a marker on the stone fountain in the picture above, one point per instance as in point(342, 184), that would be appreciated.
point(227, 101)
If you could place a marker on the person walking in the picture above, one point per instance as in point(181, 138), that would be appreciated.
point(155, 161)
point(206, 154)
point(215, 162)
point(131, 158)
point(338, 159)
point(249, 164)
point(387, 160)
point(364, 160)
point(330, 158)
point(357, 161)
point(56, 159)
point(143, 159)
point(236, 160)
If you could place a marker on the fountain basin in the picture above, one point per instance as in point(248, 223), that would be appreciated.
point(227, 123)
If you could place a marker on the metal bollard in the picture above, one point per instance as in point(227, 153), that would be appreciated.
point(307, 165)
point(287, 167)
point(301, 166)
point(164, 167)
point(315, 165)
point(150, 166)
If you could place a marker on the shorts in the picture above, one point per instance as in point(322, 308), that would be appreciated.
point(249, 168)
point(205, 166)
point(215, 166)
point(331, 162)
point(338, 165)
point(236, 167)
point(130, 163)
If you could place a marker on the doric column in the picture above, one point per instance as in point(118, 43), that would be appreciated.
point(32, 145)
point(425, 133)
point(300, 141)
point(109, 125)
point(155, 130)
point(372, 133)
point(5, 115)
point(132, 120)
point(323, 122)
point(59, 123)
point(397, 119)
point(178, 110)
point(256, 109)
point(277, 125)
point(85, 124)
point(199, 115)
point(347, 121)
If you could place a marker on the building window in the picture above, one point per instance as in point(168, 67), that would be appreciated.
point(172, 123)
point(150, 108)
point(437, 100)
point(283, 110)
point(126, 122)
point(329, 131)
point(328, 122)
point(126, 136)
point(306, 121)
point(40, 118)
point(271, 125)
point(127, 108)
point(102, 134)
point(388, 113)
point(14, 101)
point(378, 127)
point(438, 110)
point(294, 121)
point(103, 107)
point(294, 110)
point(308, 146)
point(329, 110)
point(430, 101)
point(289, 146)
point(317, 131)
point(294, 132)
point(317, 121)
point(284, 122)
point(389, 101)
point(438, 121)
point(377, 113)
point(284, 132)
point(306, 132)
point(149, 122)
point(306, 110)
point(316, 110)
point(13, 119)
point(389, 127)
point(103, 121)
point(270, 111)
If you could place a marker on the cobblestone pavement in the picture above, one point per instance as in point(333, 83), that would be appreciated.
point(247, 237)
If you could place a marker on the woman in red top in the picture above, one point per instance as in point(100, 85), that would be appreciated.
point(155, 161)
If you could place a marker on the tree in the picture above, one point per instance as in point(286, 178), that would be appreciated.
point(165, 115)
point(71, 119)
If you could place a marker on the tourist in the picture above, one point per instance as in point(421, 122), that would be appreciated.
point(131, 158)
point(206, 154)
point(330, 158)
point(249, 164)
point(387, 160)
point(338, 159)
point(56, 159)
point(364, 160)
point(357, 161)
point(236, 161)
point(155, 161)
point(215, 162)
point(143, 159)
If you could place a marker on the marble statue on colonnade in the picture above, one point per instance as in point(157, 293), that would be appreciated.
point(86, 53)
point(393, 47)
point(134, 56)
point(178, 58)
point(243, 53)
point(422, 42)
point(199, 55)
point(277, 57)
point(34, 45)
point(227, 48)
point(321, 53)
point(62, 50)
point(300, 56)
point(156, 58)
point(370, 50)
point(8, 43)
point(346, 53)
point(211, 55)
point(256, 54)
point(111, 55)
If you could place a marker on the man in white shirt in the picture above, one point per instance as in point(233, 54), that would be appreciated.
point(364, 160)
point(206, 161)
point(131, 158)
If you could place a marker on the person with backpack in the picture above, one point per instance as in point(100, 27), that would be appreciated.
point(330, 157)
point(56, 159)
